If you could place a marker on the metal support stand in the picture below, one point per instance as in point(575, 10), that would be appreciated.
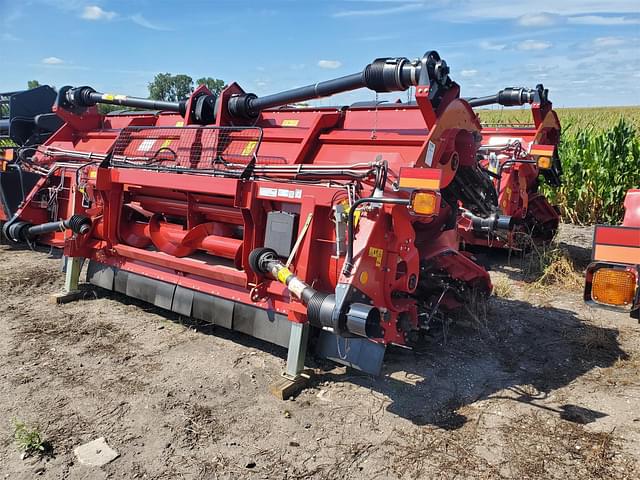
point(71, 281)
point(295, 377)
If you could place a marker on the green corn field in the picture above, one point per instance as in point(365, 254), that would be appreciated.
point(600, 154)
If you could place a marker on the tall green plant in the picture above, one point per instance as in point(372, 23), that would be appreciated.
point(599, 167)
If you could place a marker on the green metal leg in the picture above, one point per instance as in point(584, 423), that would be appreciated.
point(72, 278)
point(297, 349)
point(71, 281)
point(295, 377)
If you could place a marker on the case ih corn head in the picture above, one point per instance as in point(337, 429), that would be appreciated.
point(613, 276)
point(266, 219)
point(515, 156)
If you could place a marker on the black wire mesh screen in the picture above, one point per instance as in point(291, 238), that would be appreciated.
point(191, 148)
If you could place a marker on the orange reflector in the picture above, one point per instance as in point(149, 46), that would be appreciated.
point(7, 154)
point(544, 163)
point(613, 287)
point(424, 203)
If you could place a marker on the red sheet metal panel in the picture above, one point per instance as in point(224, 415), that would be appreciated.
point(621, 236)
point(612, 253)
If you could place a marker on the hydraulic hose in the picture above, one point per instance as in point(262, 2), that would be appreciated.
point(348, 261)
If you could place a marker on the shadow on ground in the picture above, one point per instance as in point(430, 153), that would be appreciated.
point(521, 352)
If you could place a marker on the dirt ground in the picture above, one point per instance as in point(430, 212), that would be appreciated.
point(540, 387)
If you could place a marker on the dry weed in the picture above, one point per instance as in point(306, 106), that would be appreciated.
point(503, 287)
point(543, 446)
point(434, 453)
point(551, 266)
point(624, 372)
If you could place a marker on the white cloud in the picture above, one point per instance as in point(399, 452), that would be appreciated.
point(538, 20)
point(330, 64)
point(52, 61)
point(138, 19)
point(609, 41)
point(497, 8)
point(407, 7)
point(9, 37)
point(533, 45)
point(93, 12)
point(600, 20)
point(469, 73)
point(487, 45)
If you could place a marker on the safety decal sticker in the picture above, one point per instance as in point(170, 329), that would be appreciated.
point(376, 253)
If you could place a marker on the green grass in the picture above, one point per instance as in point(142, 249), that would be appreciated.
point(600, 153)
point(29, 440)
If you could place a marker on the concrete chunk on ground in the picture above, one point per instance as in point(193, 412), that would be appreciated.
point(95, 453)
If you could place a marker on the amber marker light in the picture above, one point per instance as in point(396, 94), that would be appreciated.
point(544, 163)
point(614, 287)
point(425, 203)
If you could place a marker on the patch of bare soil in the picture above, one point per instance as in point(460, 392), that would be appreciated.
point(536, 386)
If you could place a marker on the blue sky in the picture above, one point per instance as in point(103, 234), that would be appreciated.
point(587, 52)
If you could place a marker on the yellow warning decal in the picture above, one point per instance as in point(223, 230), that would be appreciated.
point(93, 173)
point(166, 143)
point(249, 147)
point(180, 123)
point(376, 253)
point(356, 215)
point(108, 96)
point(283, 274)
point(290, 123)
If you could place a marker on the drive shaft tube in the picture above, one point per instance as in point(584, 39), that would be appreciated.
point(381, 75)
point(507, 97)
point(355, 319)
point(87, 97)
point(494, 223)
point(20, 231)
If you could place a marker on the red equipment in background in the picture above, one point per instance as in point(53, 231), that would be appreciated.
point(613, 277)
point(268, 220)
point(516, 156)
point(25, 122)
